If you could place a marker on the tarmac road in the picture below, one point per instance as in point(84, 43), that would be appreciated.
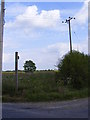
point(65, 109)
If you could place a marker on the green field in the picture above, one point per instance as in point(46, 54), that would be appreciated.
point(39, 86)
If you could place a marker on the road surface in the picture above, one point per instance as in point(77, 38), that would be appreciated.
point(65, 109)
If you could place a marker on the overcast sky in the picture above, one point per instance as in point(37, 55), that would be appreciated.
point(36, 31)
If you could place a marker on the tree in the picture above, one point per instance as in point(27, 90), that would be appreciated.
point(29, 66)
point(73, 68)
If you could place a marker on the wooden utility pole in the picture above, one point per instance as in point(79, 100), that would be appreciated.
point(70, 36)
point(16, 69)
point(68, 21)
point(1, 38)
point(1, 50)
point(1, 41)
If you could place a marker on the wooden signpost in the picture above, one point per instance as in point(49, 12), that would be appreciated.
point(16, 69)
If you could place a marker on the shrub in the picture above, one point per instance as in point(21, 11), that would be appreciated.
point(74, 69)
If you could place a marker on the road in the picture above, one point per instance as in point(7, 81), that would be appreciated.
point(65, 109)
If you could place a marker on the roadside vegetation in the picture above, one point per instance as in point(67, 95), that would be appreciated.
point(70, 81)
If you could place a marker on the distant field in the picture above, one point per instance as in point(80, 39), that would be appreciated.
point(39, 86)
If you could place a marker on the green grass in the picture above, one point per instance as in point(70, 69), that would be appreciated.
point(39, 86)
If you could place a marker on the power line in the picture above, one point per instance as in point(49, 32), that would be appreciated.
point(77, 39)
point(76, 35)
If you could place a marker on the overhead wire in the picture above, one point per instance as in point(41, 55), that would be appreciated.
point(77, 39)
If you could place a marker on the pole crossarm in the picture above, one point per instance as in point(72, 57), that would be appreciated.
point(67, 20)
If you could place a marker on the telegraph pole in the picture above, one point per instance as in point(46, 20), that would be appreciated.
point(1, 40)
point(16, 69)
point(1, 51)
point(68, 22)
point(1, 37)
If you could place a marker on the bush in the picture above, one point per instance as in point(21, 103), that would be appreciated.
point(74, 69)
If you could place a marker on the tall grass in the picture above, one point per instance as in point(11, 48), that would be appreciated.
point(39, 86)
